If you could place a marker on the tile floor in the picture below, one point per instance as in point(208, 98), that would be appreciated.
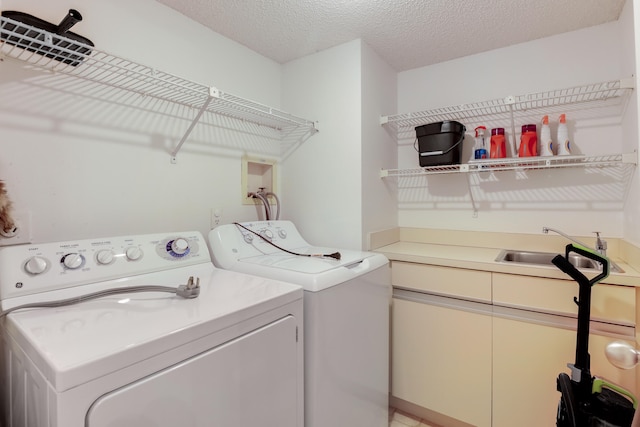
point(398, 418)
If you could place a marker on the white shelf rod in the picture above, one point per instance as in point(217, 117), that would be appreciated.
point(213, 93)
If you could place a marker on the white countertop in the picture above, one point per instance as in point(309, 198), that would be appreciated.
point(483, 258)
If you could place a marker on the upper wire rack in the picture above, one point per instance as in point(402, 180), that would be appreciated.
point(38, 49)
point(611, 94)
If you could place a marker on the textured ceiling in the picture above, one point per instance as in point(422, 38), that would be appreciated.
point(405, 33)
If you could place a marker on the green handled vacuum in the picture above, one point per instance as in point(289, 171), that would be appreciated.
point(587, 401)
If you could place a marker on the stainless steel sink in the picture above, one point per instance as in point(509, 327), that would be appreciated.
point(544, 259)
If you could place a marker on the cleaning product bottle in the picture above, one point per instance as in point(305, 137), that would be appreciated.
point(528, 141)
point(480, 149)
point(564, 146)
point(498, 144)
point(546, 144)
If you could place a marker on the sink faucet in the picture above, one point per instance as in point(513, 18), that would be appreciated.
point(601, 245)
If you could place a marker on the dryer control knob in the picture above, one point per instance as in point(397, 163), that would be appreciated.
point(133, 253)
point(248, 238)
point(36, 265)
point(282, 233)
point(105, 256)
point(72, 260)
point(267, 234)
point(180, 246)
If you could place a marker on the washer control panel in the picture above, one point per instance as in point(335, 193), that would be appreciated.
point(27, 269)
point(231, 242)
point(282, 233)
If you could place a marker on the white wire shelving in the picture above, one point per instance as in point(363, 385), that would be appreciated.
point(597, 100)
point(527, 163)
point(606, 100)
point(42, 50)
point(587, 101)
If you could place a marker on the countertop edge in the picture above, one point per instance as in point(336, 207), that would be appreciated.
point(483, 259)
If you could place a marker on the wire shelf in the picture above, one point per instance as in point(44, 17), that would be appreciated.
point(527, 163)
point(39, 49)
point(586, 101)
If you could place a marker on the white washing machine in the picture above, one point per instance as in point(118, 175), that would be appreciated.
point(346, 315)
point(232, 356)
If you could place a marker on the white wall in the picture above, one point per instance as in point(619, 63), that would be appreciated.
point(86, 163)
point(572, 199)
point(379, 96)
point(332, 183)
point(86, 167)
point(322, 179)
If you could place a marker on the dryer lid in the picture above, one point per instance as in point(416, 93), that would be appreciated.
point(75, 344)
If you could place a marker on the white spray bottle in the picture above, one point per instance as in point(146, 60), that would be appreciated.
point(546, 144)
point(564, 145)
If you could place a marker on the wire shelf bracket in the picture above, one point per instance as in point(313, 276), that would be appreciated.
point(213, 93)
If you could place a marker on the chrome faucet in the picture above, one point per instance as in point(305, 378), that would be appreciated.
point(601, 244)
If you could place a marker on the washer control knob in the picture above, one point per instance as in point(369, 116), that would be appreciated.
point(282, 233)
point(248, 238)
point(105, 256)
point(73, 260)
point(267, 234)
point(180, 246)
point(36, 265)
point(133, 253)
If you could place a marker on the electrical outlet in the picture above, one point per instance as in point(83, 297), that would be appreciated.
point(216, 216)
point(22, 234)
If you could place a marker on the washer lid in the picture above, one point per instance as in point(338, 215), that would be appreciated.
point(303, 264)
point(75, 344)
point(312, 273)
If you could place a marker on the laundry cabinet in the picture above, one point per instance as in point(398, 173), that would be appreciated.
point(534, 337)
point(441, 343)
point(485, 348)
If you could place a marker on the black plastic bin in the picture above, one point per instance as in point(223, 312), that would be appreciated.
point(440, 143)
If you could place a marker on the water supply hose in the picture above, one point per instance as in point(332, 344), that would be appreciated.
point(277, 203)
point(267, 208)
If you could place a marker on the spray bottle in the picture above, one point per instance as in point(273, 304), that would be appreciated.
point(564, 146)
point(546, 144)
point(480, 149)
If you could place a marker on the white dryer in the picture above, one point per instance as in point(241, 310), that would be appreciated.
point(231, 356)
point(346, 315)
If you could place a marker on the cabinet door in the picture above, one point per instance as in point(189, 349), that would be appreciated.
point(527, 359)
point(441, 360)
